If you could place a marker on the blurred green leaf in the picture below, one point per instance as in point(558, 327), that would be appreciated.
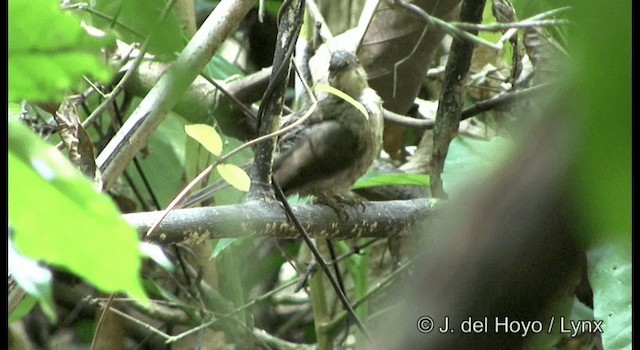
point(220, 68)
point(610, 278)
point(470, 160)
point(164, 165)
point(273, 7)
point(135, 20)
point(84, 330)
point(297, 199)
point(25, 306)
point(47, 57)
point(602, 108)
point(221, 245)
point(59, 218)
point(375, 180)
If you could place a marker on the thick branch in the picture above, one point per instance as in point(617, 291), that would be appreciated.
point(202, 99)
point(258, 218)
point(450, 105)
point(289, 24)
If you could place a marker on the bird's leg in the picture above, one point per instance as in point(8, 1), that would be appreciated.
point(338, 203)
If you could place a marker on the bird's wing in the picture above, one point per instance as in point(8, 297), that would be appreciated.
point(315, 151)
point(316, 116)
point(291, 138)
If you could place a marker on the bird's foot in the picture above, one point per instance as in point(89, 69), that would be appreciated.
point(339, 202)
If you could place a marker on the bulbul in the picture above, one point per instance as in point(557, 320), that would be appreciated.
point(327, 154)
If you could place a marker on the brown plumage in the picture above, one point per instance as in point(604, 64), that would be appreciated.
point(337, 144)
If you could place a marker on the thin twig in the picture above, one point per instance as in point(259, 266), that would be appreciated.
point(221, 160)
point(85, 7)
point(305, 236)
point(498, 27)
point(175, 338)
point(455, 31)
point(130, 318)
point(246, 110)
point(101, 320)
point(479, 107)
point(316, 15)
point(156, 105)
point(377, 288)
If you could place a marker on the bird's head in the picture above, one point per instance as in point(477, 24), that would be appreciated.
point(346, 73)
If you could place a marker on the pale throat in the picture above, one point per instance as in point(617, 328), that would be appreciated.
point(352, 82)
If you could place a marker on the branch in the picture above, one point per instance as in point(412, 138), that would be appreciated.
point(261, 219)
point(501, 100)
point(450, 104)
point(497, 27)
point(135, 133)
point(289, 25)
point(204, 99)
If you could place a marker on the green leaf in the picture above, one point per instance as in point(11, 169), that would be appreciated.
point(206, 136)
point(375, 180)
point(235, 176)
point(136, 20)
point(25, 306)
point(155, 290)
point(166, 160)
point(49, 56)
point(602, 111)
point(469, 160)
point(220, 68)
point(59, 218)
point(610, 278)
point(221, 245)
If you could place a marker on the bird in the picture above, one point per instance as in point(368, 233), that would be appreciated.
point(334, 147)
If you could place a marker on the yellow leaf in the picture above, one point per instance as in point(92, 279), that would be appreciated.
point(342, 95)
point(235, 176)
point(207, 136)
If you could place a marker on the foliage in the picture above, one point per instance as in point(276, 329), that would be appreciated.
point(604, 105)
point(45, 58)
point(471, 160)
point(105, 250)
point(168, 141)
point(207, 136)
point(49, 57)
point(124, 17)
point(372, 179)
point(610, 277)
point(57, 217)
